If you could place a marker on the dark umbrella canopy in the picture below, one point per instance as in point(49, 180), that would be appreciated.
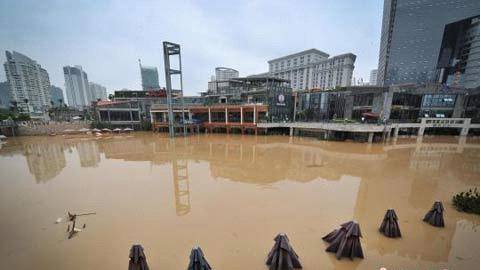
point(347, 243)
point(197, 260)
point(282, 255)
point(435, 215)
point(389, 226)
point(137, 258)
point(336, 233)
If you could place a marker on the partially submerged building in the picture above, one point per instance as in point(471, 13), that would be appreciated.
point(399, 103)
point(237, 103)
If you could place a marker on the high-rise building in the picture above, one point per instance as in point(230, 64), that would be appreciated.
point(150, 77)
point(77, 87)
point(413, 46)
point(56, 96)
point(98, 91)
point(29, 84)
point(373, 77)
point(224, 73)
point(314, 69)
point(4, 95)
point(458, 63)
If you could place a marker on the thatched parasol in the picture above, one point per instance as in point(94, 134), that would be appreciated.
point(282, 255)
point(435, 215)
point(389, 226)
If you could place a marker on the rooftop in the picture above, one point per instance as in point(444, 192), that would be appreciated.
point(316, 51)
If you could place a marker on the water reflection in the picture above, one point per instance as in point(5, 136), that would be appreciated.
point(88, 152)
point(244, 160)
point(359, 181)
point(45, 161)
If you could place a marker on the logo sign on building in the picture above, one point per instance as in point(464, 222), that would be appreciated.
point(281, 100)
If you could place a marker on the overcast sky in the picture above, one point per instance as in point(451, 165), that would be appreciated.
point(107, 37)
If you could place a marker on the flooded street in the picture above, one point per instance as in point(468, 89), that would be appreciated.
point(231, 195)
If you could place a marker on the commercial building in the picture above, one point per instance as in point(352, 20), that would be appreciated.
point(314, 69)
point(401, 103)
point(429, 42)
point(373, 77)
point(150, 78)
point(97, 91)
point(238, 103)
point(56, 96)
point(118, 113)
point(29, 84)
point(273, 92)
point(222, 75)
point(77, 87)
point(458, 63)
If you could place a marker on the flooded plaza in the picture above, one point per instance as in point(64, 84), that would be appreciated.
point(231, 195)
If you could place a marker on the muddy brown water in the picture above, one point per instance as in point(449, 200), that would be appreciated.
point(231, 195)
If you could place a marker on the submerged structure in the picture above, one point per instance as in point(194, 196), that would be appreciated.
point(344, 242)
point(435, 215)
point(137, 257)
point(198, 260)
point(282, 256)
point(389, 226)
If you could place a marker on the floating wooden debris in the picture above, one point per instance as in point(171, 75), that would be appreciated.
point(282, 256)
point(389, 226)
point(435, 215)
point(73, 218)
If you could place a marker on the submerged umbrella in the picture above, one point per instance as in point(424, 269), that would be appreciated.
point(389, 226)
point(128, 129)
point(84, 130)
point(282, 255)
point(96, 130)
point(336, 233)
point(347, 243)
point(68, 131)
point(117, 130)
point(435, 215)
point(197, 260)
point(106, 130)
point(137, 258)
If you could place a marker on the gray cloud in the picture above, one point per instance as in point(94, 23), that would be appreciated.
point(107, 37)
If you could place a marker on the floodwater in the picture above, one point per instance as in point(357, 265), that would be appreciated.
point(231, 195)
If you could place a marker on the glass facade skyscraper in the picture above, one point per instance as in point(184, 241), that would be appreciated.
point(150, 78)
point(412, 39)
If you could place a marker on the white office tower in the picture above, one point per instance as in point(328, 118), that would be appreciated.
point(77, 87)
point(224, 73)
point(373, 77)
point(313, 69)
point(98, 91)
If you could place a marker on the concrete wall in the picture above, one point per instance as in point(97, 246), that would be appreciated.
point(32, 129)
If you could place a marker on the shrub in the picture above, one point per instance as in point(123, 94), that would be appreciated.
point(467, 201)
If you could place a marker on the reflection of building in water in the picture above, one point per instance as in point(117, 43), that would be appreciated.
point(180, 175)
point(45, 161)
point(129, 149)
point(433, 156)
point(88, 153)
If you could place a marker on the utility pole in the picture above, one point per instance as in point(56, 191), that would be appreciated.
point(173, 49)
